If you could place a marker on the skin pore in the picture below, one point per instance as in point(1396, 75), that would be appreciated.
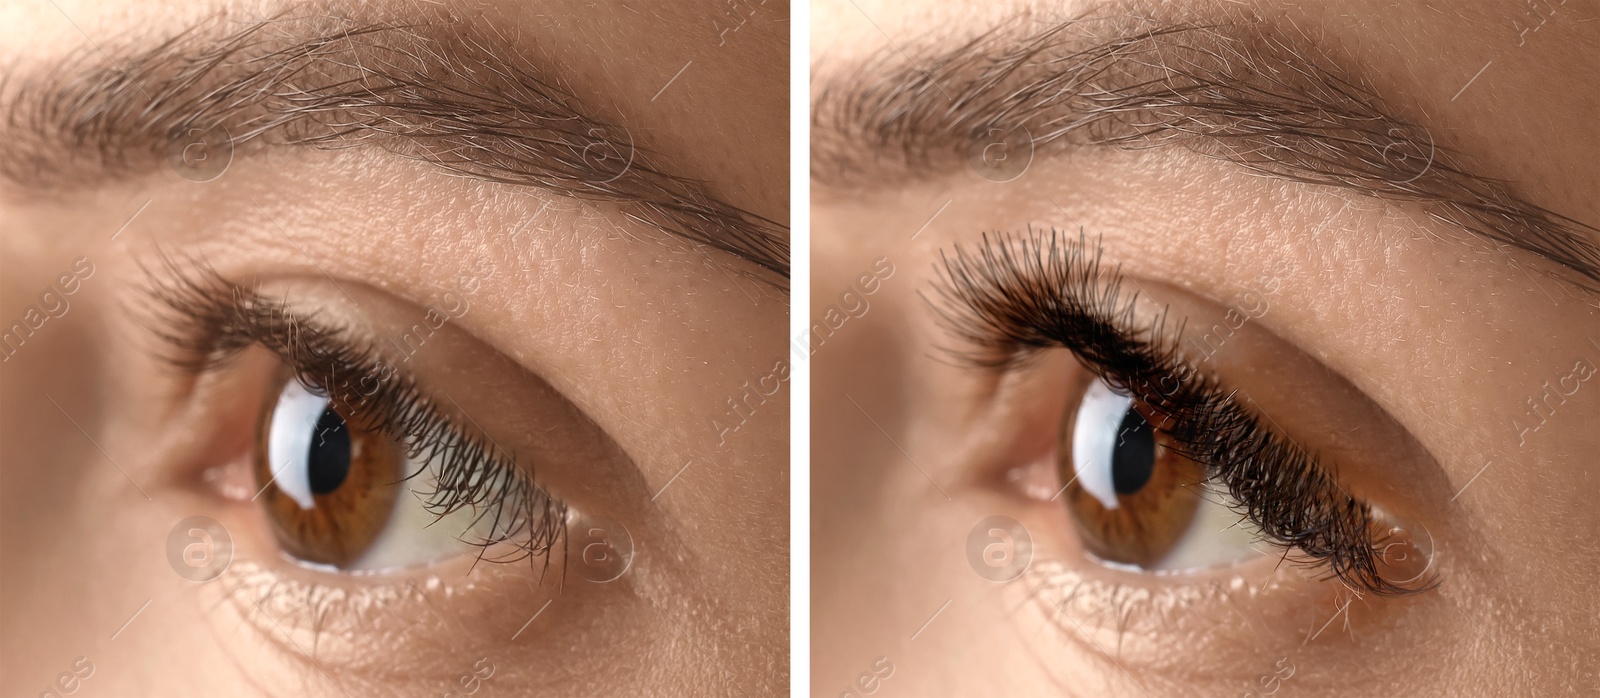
point(579, 325)
point(1395, 340)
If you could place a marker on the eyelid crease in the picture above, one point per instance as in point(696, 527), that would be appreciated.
point(1022, 294)
point(205, 321)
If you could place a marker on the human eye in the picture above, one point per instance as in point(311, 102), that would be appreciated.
point(1159, 465)
point(354, 464)
point(1275, 382)
point(394, 349)
point(374, 472)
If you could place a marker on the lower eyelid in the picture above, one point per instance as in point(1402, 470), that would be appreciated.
point(1251, 610)
point(335, 619)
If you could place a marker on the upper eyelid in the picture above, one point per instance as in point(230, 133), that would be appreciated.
point(209, 319)
point(998, 277)
point(1015, 281)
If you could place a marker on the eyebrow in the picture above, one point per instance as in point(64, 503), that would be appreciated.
point(1232, 88)
point(446, 91)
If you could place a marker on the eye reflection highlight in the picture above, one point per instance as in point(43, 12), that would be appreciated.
point(1134, 499)
point(330, 486)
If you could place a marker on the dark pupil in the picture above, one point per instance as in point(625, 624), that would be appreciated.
point(1134, 458)
point(329, 461)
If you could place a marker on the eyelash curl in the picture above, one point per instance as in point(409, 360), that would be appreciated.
point(206, 321)
point(1021, 294)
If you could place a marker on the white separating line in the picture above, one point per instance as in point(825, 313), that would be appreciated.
point(1325, 223)
point(92, 42)
point(930, 618)
point(270, 480)
point(895, 45)
point(1064, 487)
point(96, 445)
point(1098, 648)
point(530, 220)
point(886, 435)
point(480, 429)
point(930, 219)
point(301, 650)
point(530, 620)
point(674, 79)
point(130, 218)
point(674, 479)
point(130, 620)
point(1469, 82)
point(1336, 614)
point(1474, 479)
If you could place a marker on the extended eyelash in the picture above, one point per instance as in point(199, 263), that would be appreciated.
point(205, 321)
point(1021, 294)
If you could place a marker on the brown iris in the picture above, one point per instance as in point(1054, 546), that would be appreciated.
point(1155, 489)
point(348, 474)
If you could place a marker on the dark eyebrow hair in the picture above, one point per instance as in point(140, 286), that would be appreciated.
point(1234, 88)
point(444, 90)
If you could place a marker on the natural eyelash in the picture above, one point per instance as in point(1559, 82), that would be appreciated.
point(206, 320)
point(1021, 294)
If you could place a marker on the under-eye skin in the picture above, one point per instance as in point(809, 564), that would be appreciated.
point(350, 454)
point(1021, 294)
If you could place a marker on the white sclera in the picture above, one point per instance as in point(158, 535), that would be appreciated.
point(1216, 535)
point(294, 423)
point(415, 536)
point(412, 535)
point(1094, 440)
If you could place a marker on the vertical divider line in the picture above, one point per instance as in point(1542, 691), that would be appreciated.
point(798, 355)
